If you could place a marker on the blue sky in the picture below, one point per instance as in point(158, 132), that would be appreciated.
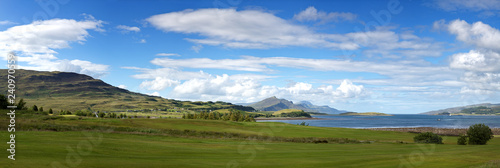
point(395, 56)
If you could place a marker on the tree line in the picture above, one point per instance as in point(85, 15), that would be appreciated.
point(233, 115)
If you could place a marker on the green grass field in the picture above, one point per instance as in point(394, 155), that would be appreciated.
point(121, 143)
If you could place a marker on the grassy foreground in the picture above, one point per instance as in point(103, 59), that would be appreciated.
point(90, 142)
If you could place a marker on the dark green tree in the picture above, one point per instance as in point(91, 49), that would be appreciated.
point(462, 140)
point(20, 105)
point(34, 108)
point(428, 137)
point(50, 111)
point(479, 134)
point(40, 109)
point(4, 102)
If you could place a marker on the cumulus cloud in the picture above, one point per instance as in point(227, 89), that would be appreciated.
point(349, 90)
point(159, 83)
point(479, 34)
point(480, 65)
point(476, 60)
point(127, 29)
point(36, 43)
point(229, 88)
point(312, 14)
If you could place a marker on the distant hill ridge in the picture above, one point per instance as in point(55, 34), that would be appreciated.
point(458, 109)
point(275, 104)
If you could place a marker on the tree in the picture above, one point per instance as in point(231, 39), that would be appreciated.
point(479, 134)
point(462, 140)
point(35, 108)
point(428, 137)
point(4, 102)
point(40, 109)
point(50, 111)
point(20, 105)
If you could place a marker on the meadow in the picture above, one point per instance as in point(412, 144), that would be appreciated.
point(54, 141)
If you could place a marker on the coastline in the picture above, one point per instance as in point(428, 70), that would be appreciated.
point(439, 131)
point(290, 118)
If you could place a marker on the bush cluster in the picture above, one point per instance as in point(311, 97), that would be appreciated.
point(428, 137)
point(478, 134)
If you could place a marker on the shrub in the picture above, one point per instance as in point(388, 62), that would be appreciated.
point(479, 134)
point(428, 137)
point(462, 140)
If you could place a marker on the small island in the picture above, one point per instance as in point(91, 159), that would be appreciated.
point(364, 114)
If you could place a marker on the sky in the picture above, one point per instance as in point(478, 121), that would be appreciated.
point(392, 56)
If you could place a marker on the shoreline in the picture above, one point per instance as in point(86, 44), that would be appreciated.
point(290, 118)
point(439, 131)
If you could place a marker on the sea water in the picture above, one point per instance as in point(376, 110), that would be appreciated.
point(397, 121)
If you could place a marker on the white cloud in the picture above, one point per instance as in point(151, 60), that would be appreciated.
point(299, 87)
point(255, 29)
point(229, 88)
point(122, 86)
point(481, 65)
point(346, 90)
point(36, 43)
point(196, 48)
point(167, 54)
point(127, 29)
point(475, 60)
point(44, 36)
point(239, 29)
point(476, 5)
point(167, 73)
point(154, 94)
point(312, 14)
point(258, 64)
point(349, 90)
point(6, 22)
point(142, 41)
point(159, 83)
point(479, 34)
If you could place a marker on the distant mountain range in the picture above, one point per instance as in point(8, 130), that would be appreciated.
point(275, 104)
point(454, 110)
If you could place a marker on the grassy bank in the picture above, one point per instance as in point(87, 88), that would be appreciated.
point(44, 141)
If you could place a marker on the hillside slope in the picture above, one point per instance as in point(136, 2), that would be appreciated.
point(72, 91)
point(459, 109)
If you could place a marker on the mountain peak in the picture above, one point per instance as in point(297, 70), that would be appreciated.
point(275, 104)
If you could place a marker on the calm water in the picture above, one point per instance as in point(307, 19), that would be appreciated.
point(399, 120)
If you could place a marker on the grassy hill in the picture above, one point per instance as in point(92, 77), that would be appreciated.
point(72, 91)
point(456, 110)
